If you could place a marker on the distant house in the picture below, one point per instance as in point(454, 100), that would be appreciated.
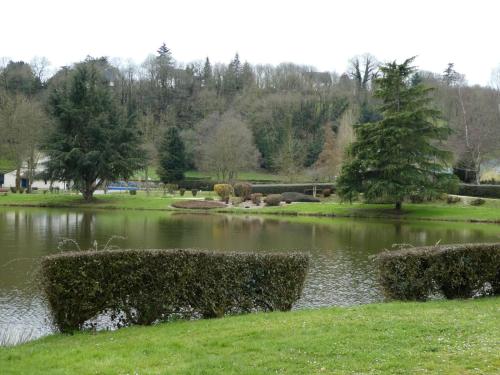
point(8, 178)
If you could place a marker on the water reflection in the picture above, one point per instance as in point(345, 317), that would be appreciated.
point(341, 273)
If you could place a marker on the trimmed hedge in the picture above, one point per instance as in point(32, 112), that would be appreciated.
point(198, 204)
point(456, 271)
point(482, 191)
point(296, 188)
point(146, 286)
point(196, 184)
point(290, 196)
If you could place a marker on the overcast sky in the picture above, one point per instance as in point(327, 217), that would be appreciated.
point(324, 34)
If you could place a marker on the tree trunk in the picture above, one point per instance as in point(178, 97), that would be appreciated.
point(399, 205)
point(18, 179)
point(88, 194)
point(146, 176)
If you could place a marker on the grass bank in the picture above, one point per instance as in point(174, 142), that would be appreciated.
point(445, 337)
point(489, 212)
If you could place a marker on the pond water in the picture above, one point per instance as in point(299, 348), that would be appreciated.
point(342, 271)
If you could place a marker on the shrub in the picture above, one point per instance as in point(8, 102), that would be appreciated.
point(182, 191)
point(296, 188)
point(298, 197)
point(235, 201)
point(171, 188)
point(132, 192)
point(256, 198)
point(417, 198)
point(198, 204)
point(477, 202)
point(145, 286)
point(453, 270)
point(273, 199)
point(199, 184)
point(194, 192)
point(209, 199)
point(450, 199)
point(243, 190)
point(483, 191)
point(13, 189)
point(327, 192)
point(224, 191)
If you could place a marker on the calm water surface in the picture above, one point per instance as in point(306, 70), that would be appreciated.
point(341, 273)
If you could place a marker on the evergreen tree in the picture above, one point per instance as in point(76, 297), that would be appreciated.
point(207, 73)
point(94, 140)
point(172, 157)
point(398, 156)
point(232, 79)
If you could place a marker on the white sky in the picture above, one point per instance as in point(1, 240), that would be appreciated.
point(324, 34)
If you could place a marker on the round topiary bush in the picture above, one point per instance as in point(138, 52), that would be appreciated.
point(273, 199)
point(243, 190)
point(224, 191)
point(477, 202)
point(450, 199)
point(256, 198)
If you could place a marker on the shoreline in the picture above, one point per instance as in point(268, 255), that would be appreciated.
point(358, 211)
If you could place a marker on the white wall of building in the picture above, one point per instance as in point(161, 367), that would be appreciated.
point(10, 181)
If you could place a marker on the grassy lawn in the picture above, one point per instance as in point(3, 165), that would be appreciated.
point(244, 176)
point(141, 201)
point(445, 337)
point(489, 212)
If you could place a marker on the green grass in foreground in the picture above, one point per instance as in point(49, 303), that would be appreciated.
point(489, 212)
point(442, 337)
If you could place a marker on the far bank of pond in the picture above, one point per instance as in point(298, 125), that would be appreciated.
point(342, 271)
point(489, 212)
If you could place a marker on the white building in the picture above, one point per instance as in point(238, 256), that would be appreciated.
point(8, 178)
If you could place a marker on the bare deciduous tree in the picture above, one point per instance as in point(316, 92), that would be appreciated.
point(22, 124)
point(227, 147)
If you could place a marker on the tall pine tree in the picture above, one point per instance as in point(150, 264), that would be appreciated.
point(172, 157)
point(398, 156)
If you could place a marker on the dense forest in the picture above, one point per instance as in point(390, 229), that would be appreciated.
point(287, 119)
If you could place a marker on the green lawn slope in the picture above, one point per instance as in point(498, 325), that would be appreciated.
point(441, 337)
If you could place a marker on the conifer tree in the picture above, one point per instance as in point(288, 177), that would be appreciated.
point(172, 157)
point(399, 155)
point(94, 139)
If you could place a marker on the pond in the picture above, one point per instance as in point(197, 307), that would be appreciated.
point(342, 271)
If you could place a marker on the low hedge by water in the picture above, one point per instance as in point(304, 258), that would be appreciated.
point(296, 188)
point(483, 191)
point(145, 286)
point(456, 271)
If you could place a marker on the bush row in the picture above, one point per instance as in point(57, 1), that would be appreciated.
point(145, 286)
point(456, 271)
point(295, 188)
point(483, 191)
